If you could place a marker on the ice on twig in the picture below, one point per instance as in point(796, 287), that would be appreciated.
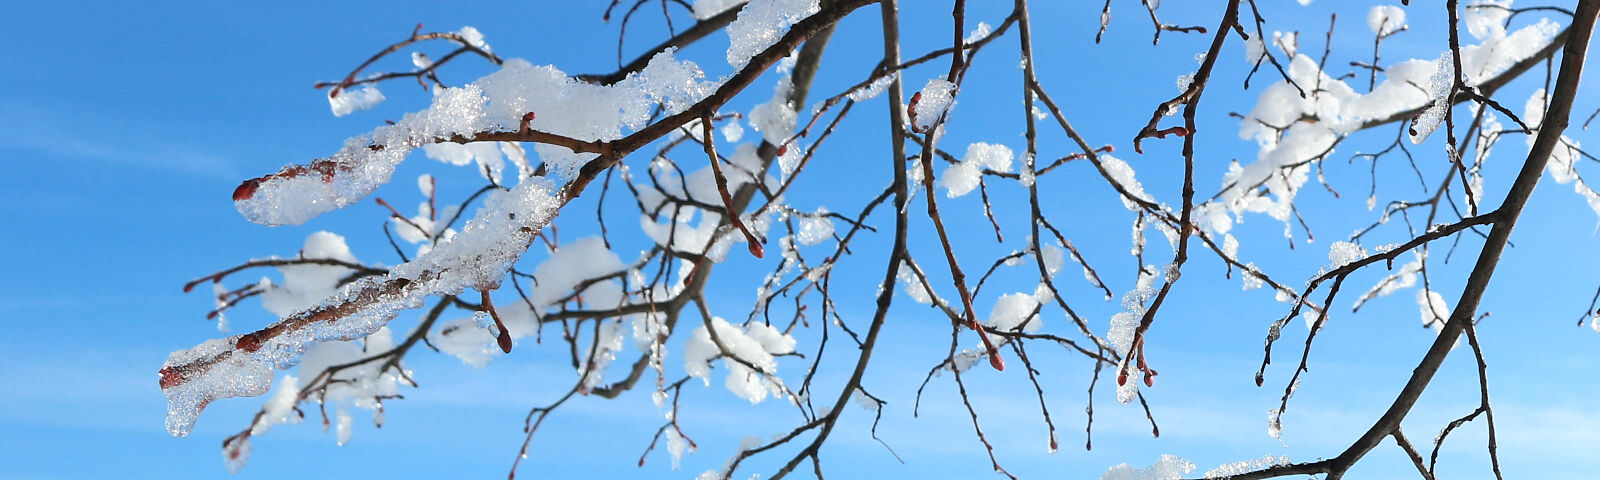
point(344, 101)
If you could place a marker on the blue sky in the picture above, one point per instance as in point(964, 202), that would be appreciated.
point(126, 127)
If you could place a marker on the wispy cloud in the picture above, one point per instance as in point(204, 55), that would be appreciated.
point(48, 132)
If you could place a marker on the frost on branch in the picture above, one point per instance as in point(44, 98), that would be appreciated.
point(1246, 466)
point(476, 258)
point(495, 103)
point(1169, 467)
point(1293, 130)
point(1563, 159)
point(761, 23)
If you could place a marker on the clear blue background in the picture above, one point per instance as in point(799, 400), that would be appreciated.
point(126, 126)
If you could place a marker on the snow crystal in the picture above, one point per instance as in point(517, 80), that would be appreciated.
point(815, 228)
point(1344, 253)
point(1169, 467)
point(760, 24)
point(421, 60)
point(1386, 19)
point(1243, 466)
point(936, 98)
point(1251, 280)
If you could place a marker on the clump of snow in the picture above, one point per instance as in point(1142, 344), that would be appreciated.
point(977, 34)
point(1384, 20)
point(473, 37)
point(1254, 50)
point(1290, 142)
point(732, 131)
point(1011, 310)
point(755, 344)
point(1435, 312)
point(1563, 159)
point(704, 9)
point(1169, 467)
point(464, 339)
point(1344, 253)
point(937, 97)
point(814, 228)
point(913, 286)
point(961, 178)
point(345, 101)
point(279, 406)
point(775, 119)
point(1123, 174)
point(761, 23)
point(486, 155)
